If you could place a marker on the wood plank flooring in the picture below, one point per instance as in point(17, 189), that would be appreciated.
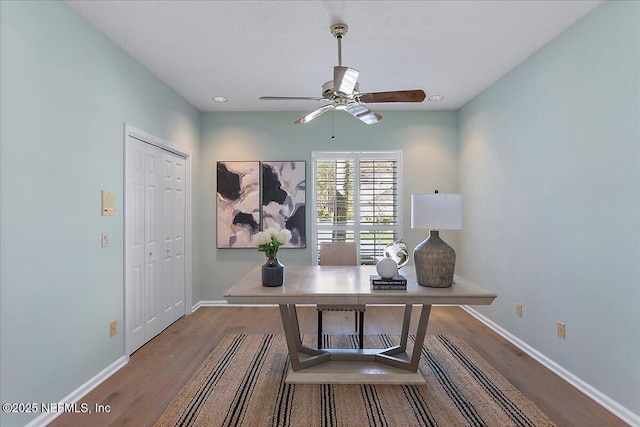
point(140, 391)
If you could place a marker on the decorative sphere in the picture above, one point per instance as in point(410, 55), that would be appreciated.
point(398, 252)
point(387, 268)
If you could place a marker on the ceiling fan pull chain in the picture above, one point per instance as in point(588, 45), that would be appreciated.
point(333, 130)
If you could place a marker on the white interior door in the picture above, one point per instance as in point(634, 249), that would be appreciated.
point(155, 213)
point(173, 228)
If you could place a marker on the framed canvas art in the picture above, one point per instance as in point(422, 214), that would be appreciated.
point(284, 199)
point(238, 203)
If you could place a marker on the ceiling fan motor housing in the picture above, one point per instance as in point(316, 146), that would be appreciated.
point(328, 93)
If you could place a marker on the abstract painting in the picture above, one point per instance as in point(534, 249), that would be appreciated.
point(238, 203)
point(284, 199)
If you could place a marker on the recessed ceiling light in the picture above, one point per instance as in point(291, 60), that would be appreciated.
point(219, 99)
point(436, 98)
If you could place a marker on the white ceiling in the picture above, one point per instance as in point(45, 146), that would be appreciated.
point(246, 49)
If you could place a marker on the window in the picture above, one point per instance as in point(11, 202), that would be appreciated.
point(356, 198)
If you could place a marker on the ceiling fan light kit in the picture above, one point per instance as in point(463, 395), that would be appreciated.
point(343, 92)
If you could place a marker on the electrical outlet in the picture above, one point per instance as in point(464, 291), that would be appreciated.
point(519, 310)
point(113, 328)
point(561, 330)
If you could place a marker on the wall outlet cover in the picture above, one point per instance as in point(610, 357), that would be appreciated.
point(561, 330)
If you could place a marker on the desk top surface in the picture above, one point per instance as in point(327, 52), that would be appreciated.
point(305, 284)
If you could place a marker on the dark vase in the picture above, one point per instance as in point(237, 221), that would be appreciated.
point(272, 273)
point(435, 262)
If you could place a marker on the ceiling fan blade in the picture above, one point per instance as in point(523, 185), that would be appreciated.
point(344, 80)
point(293, 98)
point(395, 96)
point(361, 112)
point(312, 115)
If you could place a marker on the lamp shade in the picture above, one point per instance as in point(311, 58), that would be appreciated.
point(436, 211)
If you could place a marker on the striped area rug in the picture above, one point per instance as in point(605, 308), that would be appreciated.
point(241, 383)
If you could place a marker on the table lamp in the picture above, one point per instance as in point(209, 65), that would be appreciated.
point(435, 260)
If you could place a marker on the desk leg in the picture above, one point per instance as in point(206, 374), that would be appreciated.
point(291, 328)
point(388, 356)
point(290, 325)
point(420, 335)
point(405, 326)
point(402, 347)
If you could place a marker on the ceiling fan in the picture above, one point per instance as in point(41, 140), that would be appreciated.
point(343, 92)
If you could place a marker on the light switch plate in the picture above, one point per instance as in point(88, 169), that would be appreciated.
point(104, 239)
point(108, 203)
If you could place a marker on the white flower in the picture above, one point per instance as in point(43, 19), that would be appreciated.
point(283, 236)
point(262, 238)
point(270, 240)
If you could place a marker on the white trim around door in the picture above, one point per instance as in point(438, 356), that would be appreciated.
point(131, 136)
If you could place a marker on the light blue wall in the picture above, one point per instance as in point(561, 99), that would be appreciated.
point(428, 141)
point(66, 93)
point(550, 174)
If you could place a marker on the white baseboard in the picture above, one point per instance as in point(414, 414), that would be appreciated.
point(600, 398)
point(223, 303)
point(80, 392)
point(208, 304)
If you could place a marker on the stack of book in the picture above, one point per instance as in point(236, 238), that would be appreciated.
point(396, 282)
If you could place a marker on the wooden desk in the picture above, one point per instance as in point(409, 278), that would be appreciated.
point(350, 285)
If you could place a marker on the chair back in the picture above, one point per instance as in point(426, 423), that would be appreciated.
point(338, 253)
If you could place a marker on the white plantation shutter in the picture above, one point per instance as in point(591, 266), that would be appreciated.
point(356, 198)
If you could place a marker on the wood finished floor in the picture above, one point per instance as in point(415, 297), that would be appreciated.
point(140, 391)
